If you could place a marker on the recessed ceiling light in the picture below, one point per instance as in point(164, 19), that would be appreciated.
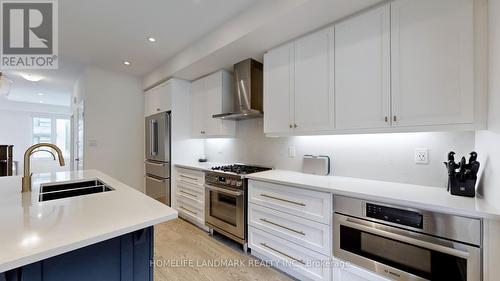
point(40, 101)
point(40, 94)
point(151, 39)
point(31, 77)
point(127, 63)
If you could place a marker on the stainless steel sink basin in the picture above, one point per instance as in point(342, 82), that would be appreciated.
point(52, 191)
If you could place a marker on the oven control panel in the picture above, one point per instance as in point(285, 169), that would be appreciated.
point(229, 181)
point(394, 215)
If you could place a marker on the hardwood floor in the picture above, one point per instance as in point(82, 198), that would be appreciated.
point(183, 253)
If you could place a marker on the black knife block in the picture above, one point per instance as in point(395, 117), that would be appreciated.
point(459, 187)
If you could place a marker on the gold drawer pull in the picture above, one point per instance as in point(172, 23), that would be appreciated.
point(187, 177)
point(281, 199)
point(187, 210)
point(188, 193)
point(284, 227)
point(281, 253)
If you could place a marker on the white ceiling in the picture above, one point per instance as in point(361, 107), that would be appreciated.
point(55, 87)
point(107, 32)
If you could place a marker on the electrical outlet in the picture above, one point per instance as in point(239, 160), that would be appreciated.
point(421, 156)
point(291, 151)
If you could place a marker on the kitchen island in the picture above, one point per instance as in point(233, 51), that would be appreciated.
point(100, 236)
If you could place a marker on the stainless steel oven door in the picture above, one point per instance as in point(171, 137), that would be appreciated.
point(225, 210)
point(404, 255)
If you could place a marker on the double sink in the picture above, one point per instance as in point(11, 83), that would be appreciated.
point(53, 191)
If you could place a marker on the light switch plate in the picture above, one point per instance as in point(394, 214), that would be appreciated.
point(421, 156)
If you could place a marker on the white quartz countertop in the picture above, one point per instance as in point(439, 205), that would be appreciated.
point(31, 231)
point(200, 166)
point(416, 196)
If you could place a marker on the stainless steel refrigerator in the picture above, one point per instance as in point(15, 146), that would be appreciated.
point(157, 164)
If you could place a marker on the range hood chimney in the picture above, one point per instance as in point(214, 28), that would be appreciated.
point(248, 98)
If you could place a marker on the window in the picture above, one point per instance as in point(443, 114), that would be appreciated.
point(55, 130)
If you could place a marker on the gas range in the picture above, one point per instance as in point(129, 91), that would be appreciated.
point(232, 176)
point(240, 169)
point(226, 200)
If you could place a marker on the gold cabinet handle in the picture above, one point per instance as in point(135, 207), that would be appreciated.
point(281, 253)
point(187, 210)
point(395, 118)
point(284, 227)
point(284, 200)
point(386, 119)
point(295, 125)
point(291, 126)
point(187, 177)
point(188, 193)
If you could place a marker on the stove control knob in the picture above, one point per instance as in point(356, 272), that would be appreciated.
point(233, 182)
point(239, 183)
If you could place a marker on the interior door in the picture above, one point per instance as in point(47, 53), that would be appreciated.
point(432, 46)
point(314, 93)
point(362, 71)
point(79, 138)
point(278, 89)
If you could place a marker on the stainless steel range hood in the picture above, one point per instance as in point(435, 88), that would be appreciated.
point(248, 98)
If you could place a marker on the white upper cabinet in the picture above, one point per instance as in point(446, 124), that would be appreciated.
point(158, 99)
point(432, 62)
point(405, 66)
point(298, 85)
point(362, 71)
point(213, 94)
point(314, 92)
point(278, 89)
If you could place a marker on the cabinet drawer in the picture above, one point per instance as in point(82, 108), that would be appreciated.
point(191, 176)
point(190, 186)
point(197, 200)
point(309, 204)
point(296, 260)
point(312, 235)
point(190, 210)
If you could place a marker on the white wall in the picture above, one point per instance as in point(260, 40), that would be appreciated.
point(114, 124)
point(388, 157)
point(16, 129)
point(488, 142)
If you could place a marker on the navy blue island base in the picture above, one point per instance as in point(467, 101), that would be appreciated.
point(124, 258)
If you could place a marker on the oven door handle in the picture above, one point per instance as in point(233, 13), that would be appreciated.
point(360, 225)
point(225, 191)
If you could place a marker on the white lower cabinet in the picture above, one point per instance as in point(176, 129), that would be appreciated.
point(190, 196)
point(300, 262)
point(291, 228)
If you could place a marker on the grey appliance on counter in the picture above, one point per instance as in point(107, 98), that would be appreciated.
point(407, 244)
point(226, 200)
point(157, 163)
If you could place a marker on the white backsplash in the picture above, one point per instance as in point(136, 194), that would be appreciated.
point(387, 157)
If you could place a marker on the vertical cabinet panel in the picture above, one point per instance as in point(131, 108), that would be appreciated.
point(198, 107)
point(278, 89)
point(213, 103)
point(212, 95)
point(362, 71)
point(432, 62)
point(313, 96)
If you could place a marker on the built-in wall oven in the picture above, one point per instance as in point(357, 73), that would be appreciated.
point(407, 244)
